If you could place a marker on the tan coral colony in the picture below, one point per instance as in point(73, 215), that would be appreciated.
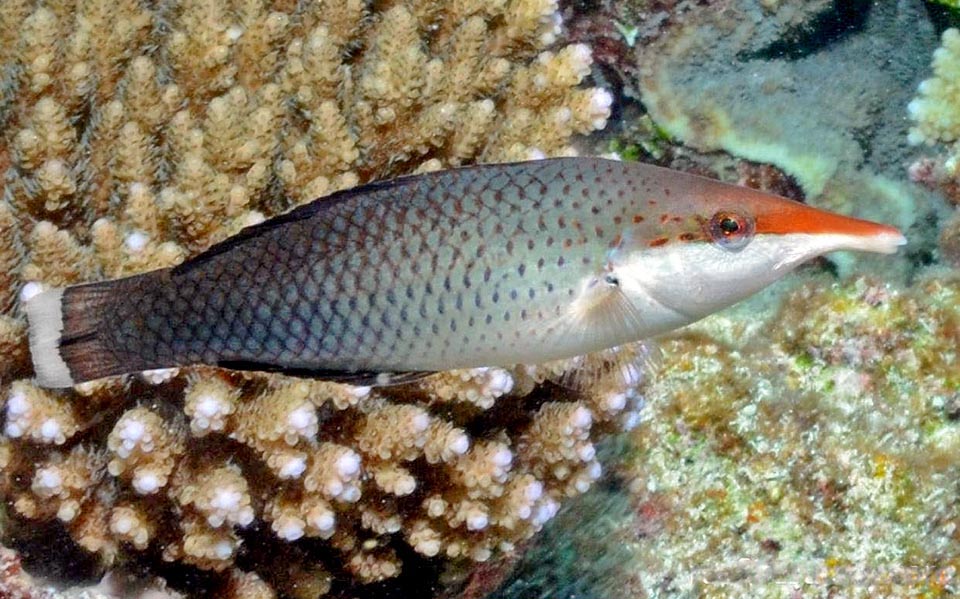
point(134, 136)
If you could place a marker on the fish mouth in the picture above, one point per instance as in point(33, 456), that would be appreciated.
point(885, 241)
point(882, 240)
point(829, 231)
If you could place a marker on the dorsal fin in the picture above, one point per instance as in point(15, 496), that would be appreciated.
point(327, 202)
point(299, 213)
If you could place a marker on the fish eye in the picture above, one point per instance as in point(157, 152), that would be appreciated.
point(731, 230)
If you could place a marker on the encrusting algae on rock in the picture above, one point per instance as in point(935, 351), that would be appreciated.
point(815, 454)
point(134, 137)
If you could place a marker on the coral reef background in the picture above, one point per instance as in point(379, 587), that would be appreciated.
point(799, 444)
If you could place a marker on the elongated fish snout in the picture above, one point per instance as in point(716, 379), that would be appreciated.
point(828, 231)
point(752, 240)
point(870, 237)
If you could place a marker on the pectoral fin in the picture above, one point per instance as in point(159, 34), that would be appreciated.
point(600, 313)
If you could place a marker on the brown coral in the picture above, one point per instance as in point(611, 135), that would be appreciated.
point(134, 136)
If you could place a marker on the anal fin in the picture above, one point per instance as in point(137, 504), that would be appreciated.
point(365, 378)
point(623, 366)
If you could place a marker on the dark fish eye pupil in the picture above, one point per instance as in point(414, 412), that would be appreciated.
point(730, 230)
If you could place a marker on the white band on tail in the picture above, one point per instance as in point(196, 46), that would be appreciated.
point(45, 315)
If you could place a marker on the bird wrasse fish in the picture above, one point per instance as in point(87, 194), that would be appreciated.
point(487, 265)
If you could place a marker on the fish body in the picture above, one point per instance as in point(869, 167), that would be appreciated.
point(479, 266)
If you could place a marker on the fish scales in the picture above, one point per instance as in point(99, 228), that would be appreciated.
point(481, 266)
point(428, 273)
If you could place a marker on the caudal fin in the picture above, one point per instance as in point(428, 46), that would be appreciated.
point(65, 342)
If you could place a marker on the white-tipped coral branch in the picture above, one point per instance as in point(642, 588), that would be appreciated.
point(204, 546)
point(334, 471)
point(38, 415)
point(217, 492)
point(209, 402)
point(936, 110)
point(293, 517)
point(478, 386)
point(395, 432)
point(63, 486)
point(483, 470)
point(144, 450)
point(130, 524)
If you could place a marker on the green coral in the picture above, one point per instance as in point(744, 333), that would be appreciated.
point(818, 457)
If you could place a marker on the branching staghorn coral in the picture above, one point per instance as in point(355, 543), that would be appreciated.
point(133, 137)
